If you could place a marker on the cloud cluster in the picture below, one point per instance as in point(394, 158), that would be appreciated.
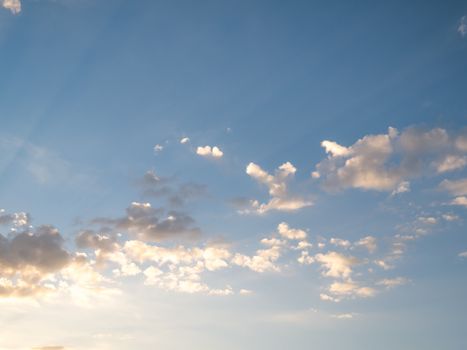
point(280, 198)
point(386, 162)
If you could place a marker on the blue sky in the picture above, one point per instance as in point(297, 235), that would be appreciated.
point(236, 175)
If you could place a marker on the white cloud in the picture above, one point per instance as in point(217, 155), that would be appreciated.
point(343, 243)
point(385, 162)
point(158, 148)
point(336, 265)
point(184, 140)
point(350, 289)
point(13, 5)
point(450, 163)
point(463, 254)
point(462, 28)
point(291, 233)
point(369, 242)
point(210, 152)
point(280, 199)
point(462, 201)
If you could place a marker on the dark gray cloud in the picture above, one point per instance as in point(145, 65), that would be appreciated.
point(152, 224)
point(167, 188)
point(42, 249)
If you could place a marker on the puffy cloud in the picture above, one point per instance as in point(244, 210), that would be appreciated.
point(462, 201)
point(184, 140)
point(369, 242)
point(158, 148)
point(336, 265)
point(290, 233)
point(17, 220)
point(97, 241)
point(28, 258)
point(263, 261)
point(343, 243)
point(385, 162)
point(13, 5)
point(305, 258)
point(210, 152)
point(277, 184)
point(150, 224)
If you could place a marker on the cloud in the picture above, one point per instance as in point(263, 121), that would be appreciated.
point(50, 348)
point(386, 162)
point(455, 187)
point(158, 148)
point(184, 140)
point(17, 220)
point(462, 28)
point(263, 261)
point(28, 258)
point(210, 152)
point(13, 5)
point(336, 265)
point(176, 194)
point(393, 282)
point(340, 242)
point(343, 316)
point(280, 199)
point(369, 242)
point(153, 224)
point(290, 233)
point(350, 289)
point(458, 189)
point(463, 254)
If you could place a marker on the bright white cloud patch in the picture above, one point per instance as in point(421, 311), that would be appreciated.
point(336, 264)
point(210, 152)
point(13, 5)
point(184, 140)
point(385, 162)
point(280, 198)
point(290, 233)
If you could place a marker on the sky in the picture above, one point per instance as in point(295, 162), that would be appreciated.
point(233, 175)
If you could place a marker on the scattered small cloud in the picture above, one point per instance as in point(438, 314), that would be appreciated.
point(184, 140)
point(210, 152)
point(462, 28)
